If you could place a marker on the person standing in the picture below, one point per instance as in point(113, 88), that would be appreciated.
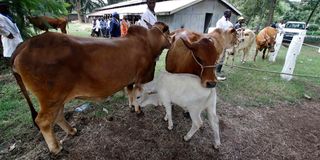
point(280, 26)
point(239, 23)
point(115, 26)
point(103, 25)
point(124, 27)
point(10, 34)
point(149, 18)
point(223, 23)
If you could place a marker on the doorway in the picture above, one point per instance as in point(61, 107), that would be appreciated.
point(207, 22)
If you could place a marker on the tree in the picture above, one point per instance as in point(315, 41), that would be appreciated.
point(315, 6)
point(114, 1)
point(271, 12)
point(21, 8)
point(82, 6)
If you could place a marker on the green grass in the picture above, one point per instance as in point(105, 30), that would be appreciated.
point(252, 88)
point(83, 30)
point(244, 88)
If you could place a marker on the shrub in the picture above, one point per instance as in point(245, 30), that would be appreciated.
point(313, 27)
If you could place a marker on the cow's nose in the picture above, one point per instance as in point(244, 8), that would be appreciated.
point(272, 50)
point(211, 84)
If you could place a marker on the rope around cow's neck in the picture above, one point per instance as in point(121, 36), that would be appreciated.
point(202, 66)
point(162, 34)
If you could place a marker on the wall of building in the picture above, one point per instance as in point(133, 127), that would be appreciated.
point(193, 17)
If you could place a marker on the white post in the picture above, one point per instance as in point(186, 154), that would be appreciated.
point(273, 55)
point(292, 54)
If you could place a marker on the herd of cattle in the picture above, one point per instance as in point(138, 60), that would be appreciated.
point(57, 68)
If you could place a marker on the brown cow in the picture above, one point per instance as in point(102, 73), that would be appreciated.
point(45, 23)
point(266, 39)
point(57, 68)
point(201, 59)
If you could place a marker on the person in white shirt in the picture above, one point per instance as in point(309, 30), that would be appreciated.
point(149, 18)
point(10, 34)
point(223, 23)
point(280, 26)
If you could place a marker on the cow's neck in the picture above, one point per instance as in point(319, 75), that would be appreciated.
point(194, 67)
point(155, 42)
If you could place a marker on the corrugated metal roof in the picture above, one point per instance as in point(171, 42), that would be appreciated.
point(162, 8)
point(121, 4)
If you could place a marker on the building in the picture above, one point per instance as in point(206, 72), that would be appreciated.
point(196, 15)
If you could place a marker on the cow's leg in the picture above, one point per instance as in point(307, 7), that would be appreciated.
point(135, 92)
point(267, 54)
point(244, 55)
point(196, 124)
point(62, 122)
point(168, 116)
point(130, 96)
point(264, 53)
point(63, 29)
point(254, 58)
point(45, 120)
point(233, 60)
point(214, 122)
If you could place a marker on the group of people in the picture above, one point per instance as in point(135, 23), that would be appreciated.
point(114, 27)
point(110, 28)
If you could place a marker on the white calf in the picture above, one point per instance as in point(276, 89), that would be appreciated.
point(184, 90)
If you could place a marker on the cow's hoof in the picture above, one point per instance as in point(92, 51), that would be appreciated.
point(185, 138)
point(170, 128)
point(56, 150)
point(186, 115)
point(140, 114)
point(216, 147)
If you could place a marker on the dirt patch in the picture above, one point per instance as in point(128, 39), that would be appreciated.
point(280, 132)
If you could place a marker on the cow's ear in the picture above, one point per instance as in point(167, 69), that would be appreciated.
point(187, 42)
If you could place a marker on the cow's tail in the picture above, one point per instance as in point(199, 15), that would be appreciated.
point(18, 78)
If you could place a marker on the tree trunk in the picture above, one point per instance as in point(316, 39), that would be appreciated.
point(271, 12)
point(78, 8)
point(315, 7)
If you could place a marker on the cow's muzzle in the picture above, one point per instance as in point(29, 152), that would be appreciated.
point(211, 84)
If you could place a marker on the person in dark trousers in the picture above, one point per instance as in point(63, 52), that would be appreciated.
point(115, 30)
point(103, 25)
point(223, 23)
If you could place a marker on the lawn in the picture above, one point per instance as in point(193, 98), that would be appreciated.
point(245, 88)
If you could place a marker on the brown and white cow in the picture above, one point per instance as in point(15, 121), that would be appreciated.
point(200, 56)
point(244, 44)
point(57, 68)
point(45, 23)
point(266, 39)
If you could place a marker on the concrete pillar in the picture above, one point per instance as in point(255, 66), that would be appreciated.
point(292, 54)
point(273, 55)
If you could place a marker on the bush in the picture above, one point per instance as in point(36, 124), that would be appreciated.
point(313, 32)
point(313, 27)
point(312, 39)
